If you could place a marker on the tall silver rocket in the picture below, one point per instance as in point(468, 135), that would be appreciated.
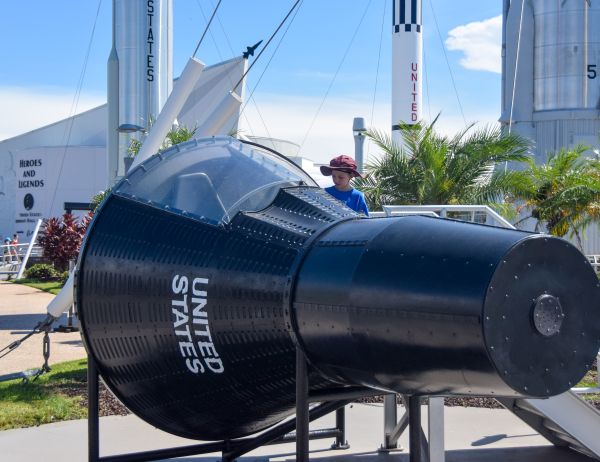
point(144, 51)
point(140, 71)
point(407, 63)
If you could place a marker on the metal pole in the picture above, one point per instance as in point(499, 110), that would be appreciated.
point(29, 248)
point(436, 429)
point(302, 421)
point(358, 129)
point(414, 428)
point(70, 312)
point(390, 417)
point(93, 412)
point(340, 425)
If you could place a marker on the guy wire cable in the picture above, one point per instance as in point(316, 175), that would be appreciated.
point(447, 62)
point(265, 70)
point(336, 74)
point(221, 56)
point(206, 28)
point(376, 75)
point(216, 45)
point(258, 56)
point(267, 44)
point(512, 99)
point(75, 103)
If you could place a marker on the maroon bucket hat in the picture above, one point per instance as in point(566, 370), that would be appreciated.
point(343, 164)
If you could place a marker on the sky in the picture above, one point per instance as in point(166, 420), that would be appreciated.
point(331, 63)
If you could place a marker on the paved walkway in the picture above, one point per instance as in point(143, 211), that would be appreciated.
point(471, 434)
point(21, 308)
point(482, 435)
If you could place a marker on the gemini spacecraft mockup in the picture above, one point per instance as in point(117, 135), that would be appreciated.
point(211, 262)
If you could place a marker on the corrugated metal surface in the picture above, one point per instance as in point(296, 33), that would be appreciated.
point(551, 135)
point(142, 42)
point(567, 43)
point(590, 240)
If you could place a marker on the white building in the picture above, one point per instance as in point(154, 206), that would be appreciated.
point(67, 161)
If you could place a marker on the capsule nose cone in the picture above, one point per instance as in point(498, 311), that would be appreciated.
point(541, 322)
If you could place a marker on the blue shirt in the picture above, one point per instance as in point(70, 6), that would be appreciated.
point(353, 199)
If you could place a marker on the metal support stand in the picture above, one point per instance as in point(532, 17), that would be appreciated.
point(93, 412)
point(340, 425)
point(436, 429)
point(390, 429)
point(301, 407)
point(232, 449)
point(414, 428)
point(428, 448)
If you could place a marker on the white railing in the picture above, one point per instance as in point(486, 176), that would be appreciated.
point(380, 214)
point(14, 256)
point(13, 253)
point(474, 213)
point(595, 262)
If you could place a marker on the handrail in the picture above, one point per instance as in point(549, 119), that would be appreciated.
point(595, 262)
point(442, 211)
point(15, 256)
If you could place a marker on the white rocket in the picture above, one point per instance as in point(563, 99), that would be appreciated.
point(407, 63)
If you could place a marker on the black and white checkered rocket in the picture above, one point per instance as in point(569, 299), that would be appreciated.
point(407, 15)
point(407, 58)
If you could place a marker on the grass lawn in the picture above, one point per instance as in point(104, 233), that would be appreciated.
point(47, 286)
point(61, 394)
point(46, 400)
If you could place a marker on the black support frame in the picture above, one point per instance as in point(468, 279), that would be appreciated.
point(232, 449)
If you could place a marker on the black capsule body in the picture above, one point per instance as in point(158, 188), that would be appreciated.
point(193, 295)
point(424, 306)
point(190, 323)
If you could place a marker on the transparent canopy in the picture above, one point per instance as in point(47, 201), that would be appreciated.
point(212, 179)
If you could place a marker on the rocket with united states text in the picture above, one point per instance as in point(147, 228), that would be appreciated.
point(407, 59)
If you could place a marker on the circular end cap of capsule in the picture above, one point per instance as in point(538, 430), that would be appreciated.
point(547, 315)
point(542, 313)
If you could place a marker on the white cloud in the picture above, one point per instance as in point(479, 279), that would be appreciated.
point(290, 118)
point(286, 117)
point(480, 42)
point(25, 109)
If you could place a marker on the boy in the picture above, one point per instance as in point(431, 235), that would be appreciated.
point(342, 169)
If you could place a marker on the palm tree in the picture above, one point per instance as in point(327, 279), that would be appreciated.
point(562, 194)
point(429, 168)
point(177, 134)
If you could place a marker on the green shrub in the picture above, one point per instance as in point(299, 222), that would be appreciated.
point(61, 237)
point(99, 198)
point(41, 271)
point(62, 277)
